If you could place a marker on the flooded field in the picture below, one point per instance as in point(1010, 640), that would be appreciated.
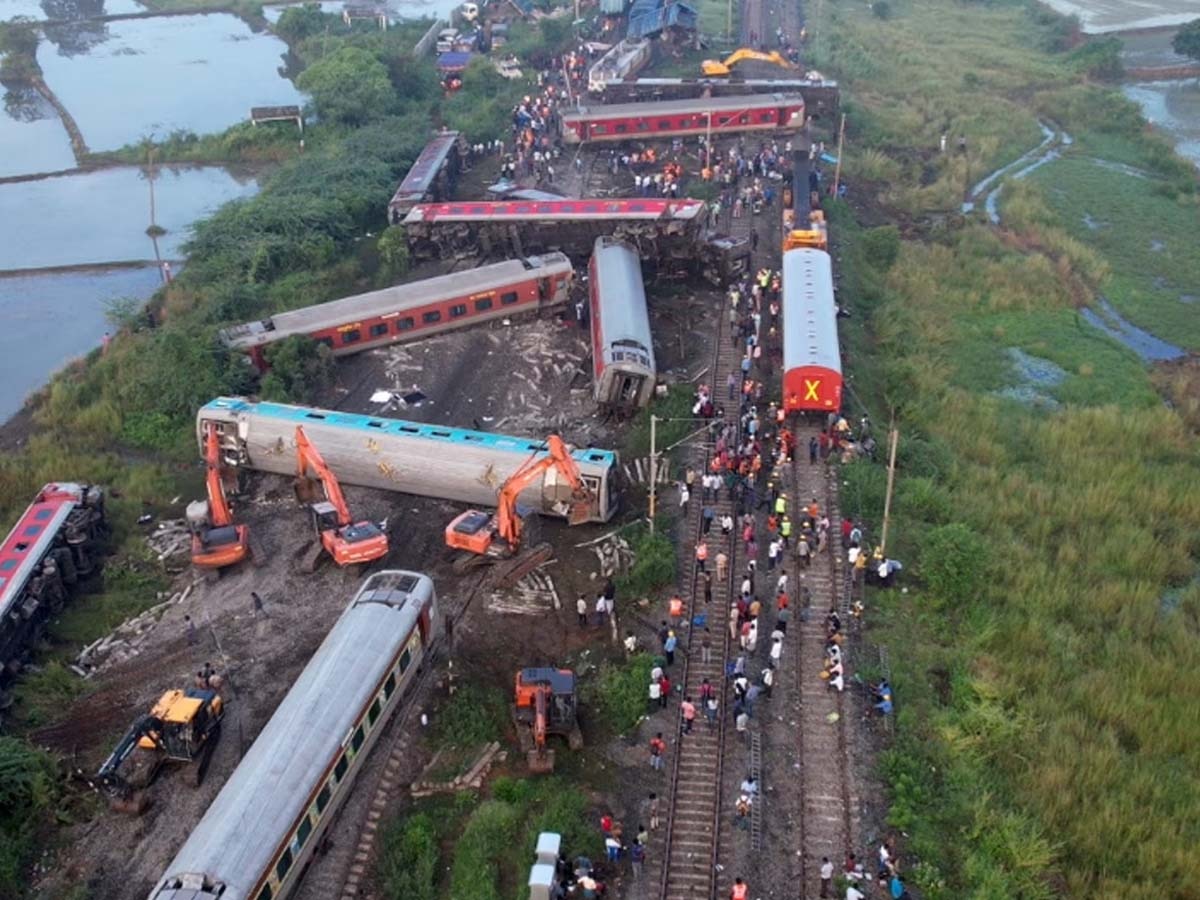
point(199, 73)
point(1100, 16)
point(102, 216)
point(1149, 49)
point(31, 135)
point(1174, 108)
point(65, 9)
point(51, 319)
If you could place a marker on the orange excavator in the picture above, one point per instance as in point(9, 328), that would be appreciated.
point(347, 542)
point(544, 704)
point(486, 538)
point(216, 542)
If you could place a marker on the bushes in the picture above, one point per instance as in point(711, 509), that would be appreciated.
point(953, 560)
point(474, 715)
point(618, 696)
point(300, 367)
point(27, 791)
point(653, 562)
point(478, 853)
point(409, 858)
point(348, 87)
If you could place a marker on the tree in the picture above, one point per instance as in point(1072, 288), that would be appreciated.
point(348, 87)
point(301, 22)
point(1187, 40)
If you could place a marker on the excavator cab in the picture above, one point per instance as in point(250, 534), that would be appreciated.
point(217, 542)
point(545, 704)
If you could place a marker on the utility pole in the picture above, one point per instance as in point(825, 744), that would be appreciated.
point(729, 20)
point(653, 468)
point(894, 439)
point(837, 169)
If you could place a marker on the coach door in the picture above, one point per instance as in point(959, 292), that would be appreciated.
point(544, 291)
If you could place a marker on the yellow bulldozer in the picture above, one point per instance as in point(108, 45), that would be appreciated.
point(183, 726)
point(717, 68)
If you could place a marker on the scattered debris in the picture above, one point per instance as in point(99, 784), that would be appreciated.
point(471, 779)
point(126, 640)
point(171, 542)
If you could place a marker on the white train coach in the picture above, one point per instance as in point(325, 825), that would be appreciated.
point(622, 348)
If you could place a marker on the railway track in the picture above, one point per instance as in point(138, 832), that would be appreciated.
point(692, 838)
point(827, 801)
point(342, 870)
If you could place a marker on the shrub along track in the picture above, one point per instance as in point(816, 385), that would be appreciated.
point(828, 823)
point(693, 823)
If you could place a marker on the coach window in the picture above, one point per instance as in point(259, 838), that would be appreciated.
point(265, 893)
point(303, 831)
point(599, 129)
point(379, 330)
point(405, 659)
point(744, 118)
point(373, 712)
point(339, 771)
point(484, 304)
point(664, 125)
point(508, 299)
point(349, 337)
point(405, 324)
point(431, 317)
point(323, 799)
point(621, 128)
point(389, 686)
point(457, 310)
point(643, 125)
point(285, 863)
point(357, 740)
point(327, 341)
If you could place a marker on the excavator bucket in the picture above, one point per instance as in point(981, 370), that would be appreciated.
point(132, 805)
point(580, 512)
point(541, 762)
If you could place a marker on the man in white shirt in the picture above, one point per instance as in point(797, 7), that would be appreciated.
point(826, 876)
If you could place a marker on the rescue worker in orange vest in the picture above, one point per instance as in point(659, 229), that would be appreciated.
point(701, 554)
point(675, 607)
point(740, 890)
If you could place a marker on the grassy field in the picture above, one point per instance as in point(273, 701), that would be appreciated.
point(1045, 651)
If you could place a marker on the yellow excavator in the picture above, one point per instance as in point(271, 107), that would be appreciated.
point(716, 68)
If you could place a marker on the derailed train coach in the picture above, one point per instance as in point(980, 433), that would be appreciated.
point(263, 828)
point(812, 361)
point(57, 543)
point(622, 348)
point(439, 461)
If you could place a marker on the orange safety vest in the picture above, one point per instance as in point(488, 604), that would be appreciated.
point(702, 552)
point(739, 892)
point(677, 606)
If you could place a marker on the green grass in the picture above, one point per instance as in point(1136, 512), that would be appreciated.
point(1132, 218)
point(1040, 746)
point(477, 714)
point(616, 698)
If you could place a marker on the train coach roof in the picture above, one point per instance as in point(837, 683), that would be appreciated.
point(259, 804)
point(32, 536)
point(395, 299)
point(420, 177)
point(809, 316)
point(623, 315)
point(668, 107)
point(377, 425)
point(586, 209)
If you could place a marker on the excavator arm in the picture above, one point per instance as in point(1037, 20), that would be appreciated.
point(108, 777)
point(508, 520)
point(713, 67)
point(309, 457)
point(219, 510)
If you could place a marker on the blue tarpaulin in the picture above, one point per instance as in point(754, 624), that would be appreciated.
point(453, 62)
point(649, 17)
